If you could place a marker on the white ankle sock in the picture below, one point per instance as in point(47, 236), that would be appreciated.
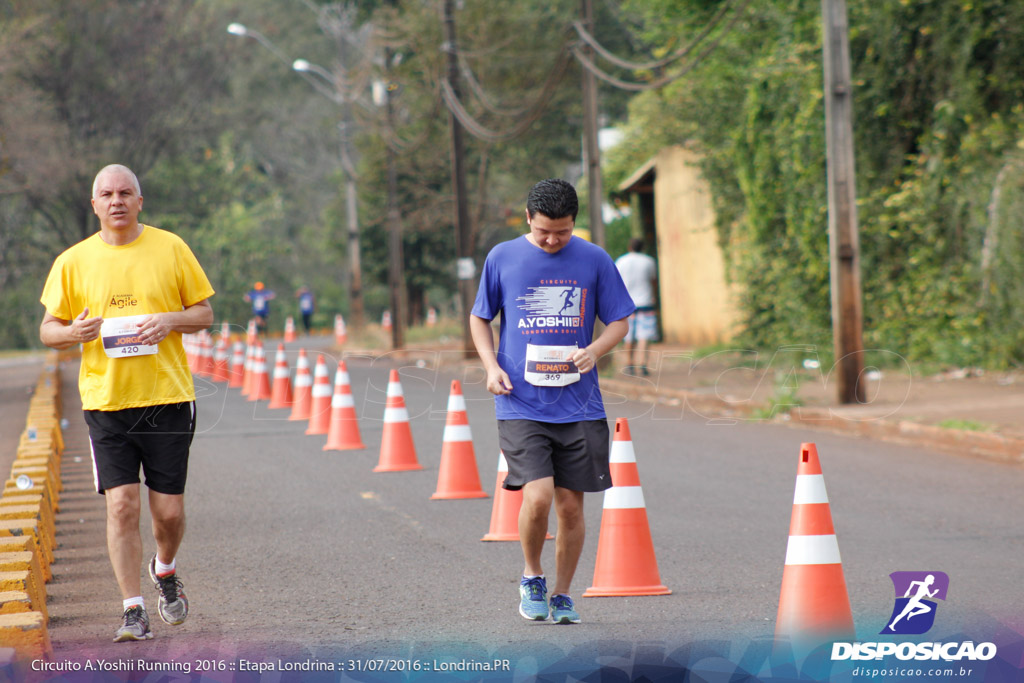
point(128, 603)
point(160, 568)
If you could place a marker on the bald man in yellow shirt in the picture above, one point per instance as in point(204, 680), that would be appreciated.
point(126, 294)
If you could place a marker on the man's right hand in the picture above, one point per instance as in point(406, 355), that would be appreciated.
point(498, 382)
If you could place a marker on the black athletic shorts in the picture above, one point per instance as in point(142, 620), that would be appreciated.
point(157, 438)
point(574, 453)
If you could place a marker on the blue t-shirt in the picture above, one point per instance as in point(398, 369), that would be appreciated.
point(551, 300)
point(306, 302)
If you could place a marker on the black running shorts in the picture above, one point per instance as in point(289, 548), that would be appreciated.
point(157, 438)
point(574, 453)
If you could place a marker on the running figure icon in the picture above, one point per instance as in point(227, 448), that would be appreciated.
point(569, 294)
point(915, 606)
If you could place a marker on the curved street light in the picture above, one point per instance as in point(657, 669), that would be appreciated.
point(305, 68)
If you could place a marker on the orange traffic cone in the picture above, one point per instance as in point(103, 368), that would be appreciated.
point(397, 452)
point(189, 342)
point(814, 607)
point(625, 553)
point(320, 408)
point(505, 510)
point(237, 371)
point(220, 361)
point(457, 476)
point(281, 394)
point(260, 389)
point(302, 400)
point(225, 331)
point(252, 332)
point(385, 320)
point(343, 433)
point(340, 333)
point(289, 329)
point(250, 357)
point(206, 362)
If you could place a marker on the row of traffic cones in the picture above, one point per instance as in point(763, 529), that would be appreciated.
point(333, 412)
point(814, 605)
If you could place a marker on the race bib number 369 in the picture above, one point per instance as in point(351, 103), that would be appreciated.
point(121, 337)
point(551, 366)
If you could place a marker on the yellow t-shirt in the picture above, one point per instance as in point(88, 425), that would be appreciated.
point(156, 273)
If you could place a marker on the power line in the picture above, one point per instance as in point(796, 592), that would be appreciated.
point(532, 112)
point(657, 64)
point(664, 80)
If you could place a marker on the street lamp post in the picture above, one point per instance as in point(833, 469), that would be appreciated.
point(335, 93)
point(356, 312)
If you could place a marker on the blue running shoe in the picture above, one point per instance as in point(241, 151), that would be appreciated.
point(533, 598)
point(562, 611)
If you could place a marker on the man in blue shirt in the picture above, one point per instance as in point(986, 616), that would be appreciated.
point(259, 296)
point(550, 288)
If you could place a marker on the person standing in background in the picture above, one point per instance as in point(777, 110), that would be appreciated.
point(305, 297)
point(640, 273)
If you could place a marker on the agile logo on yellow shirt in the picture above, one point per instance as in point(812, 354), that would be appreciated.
point(122, 301)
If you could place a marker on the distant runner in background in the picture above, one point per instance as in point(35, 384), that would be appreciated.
point(260, 297)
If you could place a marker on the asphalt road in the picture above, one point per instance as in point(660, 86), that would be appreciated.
point(296, 552)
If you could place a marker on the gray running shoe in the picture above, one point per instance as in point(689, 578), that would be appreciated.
point(173, 605)
point(134, 625)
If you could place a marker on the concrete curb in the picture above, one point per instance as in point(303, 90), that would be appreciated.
point(958, 441)
point(28, 503)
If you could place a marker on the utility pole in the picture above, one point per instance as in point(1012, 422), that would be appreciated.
point(466, 268)
point(844, 243)
point(396, 274)
point(591, 150)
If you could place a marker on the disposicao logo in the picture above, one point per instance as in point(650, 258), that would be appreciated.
point(914, 612)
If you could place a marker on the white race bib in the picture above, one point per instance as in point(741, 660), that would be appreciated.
point(121, 337)
point(550, 366)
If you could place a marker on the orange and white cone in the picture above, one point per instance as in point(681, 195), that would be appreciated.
point(206, 356)
point(302, 397)
point(343, 433)
point(220, 361)
point(289, 329)
point(189, 342)
point(252, 332)
point(625, 564)
point(260, 389)
point(281, 393)
point(225, 331)
point(505, 510)
point(814, 607)
point(457, 476)
point(385, 320)
point(250, 359)
point(237, 371)
point(397, 451)
point(320, 408)
point(340, 332)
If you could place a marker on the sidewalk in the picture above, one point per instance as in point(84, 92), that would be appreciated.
point(965, 411)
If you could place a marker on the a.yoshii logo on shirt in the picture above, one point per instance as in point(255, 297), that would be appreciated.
point(555, 303)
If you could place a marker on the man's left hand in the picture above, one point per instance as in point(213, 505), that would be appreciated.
point(584, 359)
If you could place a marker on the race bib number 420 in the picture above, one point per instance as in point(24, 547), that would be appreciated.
point(121, 337)
point(551, 366)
